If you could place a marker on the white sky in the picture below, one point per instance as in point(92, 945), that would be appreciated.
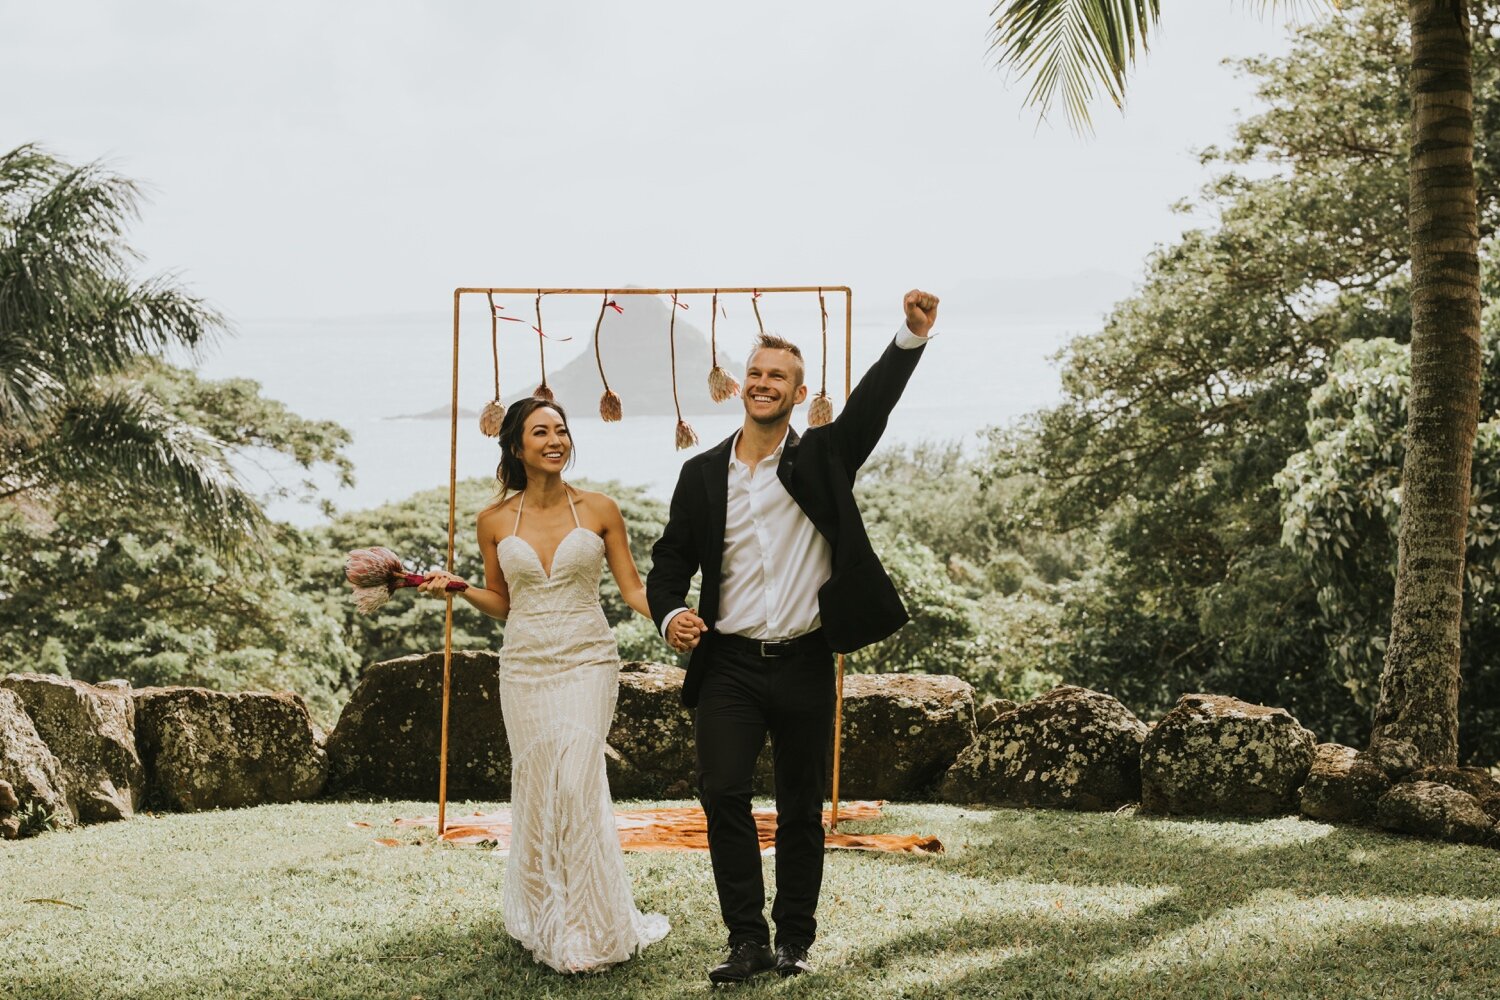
point(316, 158)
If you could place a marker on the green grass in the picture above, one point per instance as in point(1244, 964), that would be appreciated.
point(289, 901)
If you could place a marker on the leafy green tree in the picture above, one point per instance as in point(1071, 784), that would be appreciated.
point(95, 589)
point(1073, 45)
point(1178, 415)
point(73, 320)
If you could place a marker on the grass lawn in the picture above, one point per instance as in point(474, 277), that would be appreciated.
point(289, 901)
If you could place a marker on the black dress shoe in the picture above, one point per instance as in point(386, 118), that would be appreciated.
point(791, 960)
point(746, 959)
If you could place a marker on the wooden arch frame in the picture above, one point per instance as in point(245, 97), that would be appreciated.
point(458, 294)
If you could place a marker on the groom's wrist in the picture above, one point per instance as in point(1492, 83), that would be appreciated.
point(667, 621)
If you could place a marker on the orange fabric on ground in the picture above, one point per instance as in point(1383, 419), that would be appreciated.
point(683, 829)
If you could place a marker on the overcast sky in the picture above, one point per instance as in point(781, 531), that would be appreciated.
point(310, 159)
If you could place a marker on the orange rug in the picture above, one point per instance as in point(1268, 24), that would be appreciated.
point(674, 830)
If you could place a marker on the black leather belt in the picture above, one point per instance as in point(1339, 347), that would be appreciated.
point(812, 642)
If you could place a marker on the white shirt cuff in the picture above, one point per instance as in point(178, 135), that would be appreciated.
point(668, 620)
point(906, 340)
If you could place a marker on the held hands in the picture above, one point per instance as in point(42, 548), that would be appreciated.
point(921, 311)
point(684, 631)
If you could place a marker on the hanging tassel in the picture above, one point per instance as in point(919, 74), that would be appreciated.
point(491, 417)
point(493, 413)
point(543, 391)
point(721, 384)
point(821, 410)
point(610, 409)
point(686, 436)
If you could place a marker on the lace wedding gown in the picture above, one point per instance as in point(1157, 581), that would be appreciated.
point(567, 898)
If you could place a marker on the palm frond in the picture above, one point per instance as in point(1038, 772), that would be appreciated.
point(70, 310)
point(119, 443)
point(1071, 47)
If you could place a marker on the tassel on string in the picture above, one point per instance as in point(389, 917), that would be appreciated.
point(721, 384)
point(686, 436)
point(491, 417)
point(543, 391)
point(493, 413)
point(610, 409)
point(821, 410)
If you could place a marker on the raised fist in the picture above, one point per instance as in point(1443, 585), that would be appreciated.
point(921, 311)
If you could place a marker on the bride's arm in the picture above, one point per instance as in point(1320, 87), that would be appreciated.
point(494, 598)
point(621, 562)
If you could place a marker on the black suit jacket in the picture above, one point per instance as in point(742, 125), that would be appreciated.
point(858, 604)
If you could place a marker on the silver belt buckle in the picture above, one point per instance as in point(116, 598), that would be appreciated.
point(765, 648)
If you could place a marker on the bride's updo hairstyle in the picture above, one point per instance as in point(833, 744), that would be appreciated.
point(511, 472)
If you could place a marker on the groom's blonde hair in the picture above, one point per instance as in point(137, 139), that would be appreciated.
point(771, 342)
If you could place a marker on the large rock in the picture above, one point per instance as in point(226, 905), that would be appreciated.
point(651, 751)
point(1072, 748)
point(388, 737)
point(91, 731)
point(27, 765)
point(1429, 809)
point(211, 749)
point(1341, 786)
point(1216, 755)
point(1476, 781)
point(901, 732)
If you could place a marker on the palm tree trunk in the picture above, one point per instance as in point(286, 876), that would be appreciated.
point(1419, 683)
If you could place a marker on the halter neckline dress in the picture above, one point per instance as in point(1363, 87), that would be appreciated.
point(567, 898)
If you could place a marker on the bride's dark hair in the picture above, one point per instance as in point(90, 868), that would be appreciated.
point(511, 472)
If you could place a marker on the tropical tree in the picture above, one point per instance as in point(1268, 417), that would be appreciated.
point(1070, 47)
point(74, 319)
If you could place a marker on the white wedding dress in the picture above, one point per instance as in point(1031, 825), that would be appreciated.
point(567, 898)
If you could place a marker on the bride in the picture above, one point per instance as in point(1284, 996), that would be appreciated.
point(567, 898)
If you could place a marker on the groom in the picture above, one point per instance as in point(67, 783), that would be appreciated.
point(789, 578)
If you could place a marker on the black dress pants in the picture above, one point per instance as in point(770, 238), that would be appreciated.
point(744, 697)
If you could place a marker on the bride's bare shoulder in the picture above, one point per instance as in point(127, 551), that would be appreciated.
point(491, 515)
point(600, 505)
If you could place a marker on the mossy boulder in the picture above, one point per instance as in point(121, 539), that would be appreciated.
point(1430, 809)
point(388, 737)
point(90, 729)
point(1215, 755)
point(27, 766)
point(1072, 748)
point(651, 753)
point(901, 733)
point(1341, 786)
point(207, 749)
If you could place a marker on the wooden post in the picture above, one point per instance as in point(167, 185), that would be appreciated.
point(448, 598)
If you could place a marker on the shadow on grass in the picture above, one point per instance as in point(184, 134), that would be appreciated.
point(1314, 912)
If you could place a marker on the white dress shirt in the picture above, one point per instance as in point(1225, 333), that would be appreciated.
point(775, 560)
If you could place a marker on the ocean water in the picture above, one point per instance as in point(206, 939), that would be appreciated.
point(371, 375)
